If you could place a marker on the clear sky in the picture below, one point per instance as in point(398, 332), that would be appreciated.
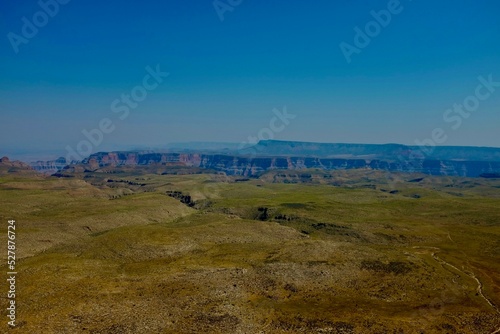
point(231, 64)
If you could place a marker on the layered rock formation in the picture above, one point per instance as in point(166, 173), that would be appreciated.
point(285, 155)
point(49, 167)
point(10, 166)
point(251, 166)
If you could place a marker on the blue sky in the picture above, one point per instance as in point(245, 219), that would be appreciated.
point(227, 76)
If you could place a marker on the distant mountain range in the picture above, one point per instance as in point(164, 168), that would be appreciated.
point(389, 152)
point(272, 154)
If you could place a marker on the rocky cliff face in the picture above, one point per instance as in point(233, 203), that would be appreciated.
point(250, 166)
point(9, 166)
point(49, 167)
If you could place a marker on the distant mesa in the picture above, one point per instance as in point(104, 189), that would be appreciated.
point(287, 155)
point(490, 175)
point(49, 167)
point(372, 151)
point(249, 166)
point(9, 166)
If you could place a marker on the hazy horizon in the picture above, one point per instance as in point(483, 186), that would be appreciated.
point(27, 155)
point(374, 72)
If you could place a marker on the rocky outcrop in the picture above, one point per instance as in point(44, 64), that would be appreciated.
point(49, 167)
point(13, 166)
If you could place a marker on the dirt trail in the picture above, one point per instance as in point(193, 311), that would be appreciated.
point(471, 274)
point(479, 284)
point(468, 273)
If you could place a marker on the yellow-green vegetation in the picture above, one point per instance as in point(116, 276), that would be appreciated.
point(338, 252)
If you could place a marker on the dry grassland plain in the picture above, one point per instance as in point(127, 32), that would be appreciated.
point(135, 251)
